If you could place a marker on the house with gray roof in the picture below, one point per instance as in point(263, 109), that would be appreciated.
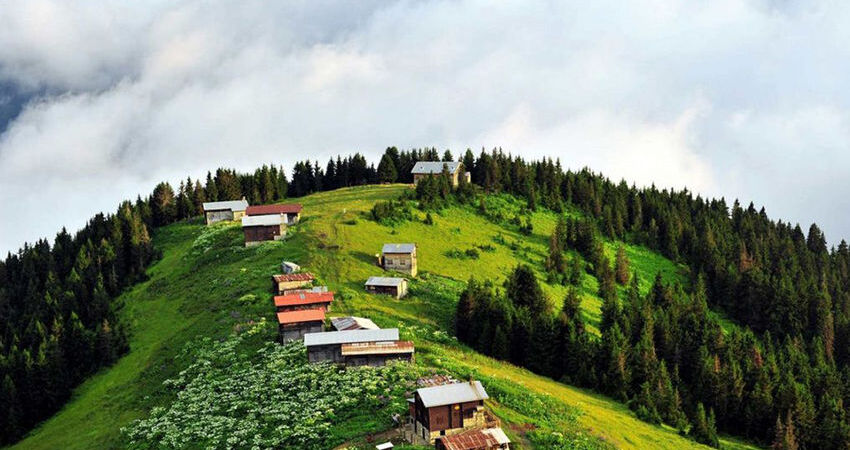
point(447, 410)
point(424, 169)
point(395, 286)
point(372, 347)
point(399, 258)
point(224, 211)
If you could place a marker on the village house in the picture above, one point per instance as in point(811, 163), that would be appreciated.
point(285, 282)
point(293, 325)
point(353, 323)
point(224, 211)
point(399, 257)
point(424, 169)
point(262, 228)
point(397, 287)
point(304, 300)
point(291, 212)
point(448, 409)
point(358, 347)
point(476, 439)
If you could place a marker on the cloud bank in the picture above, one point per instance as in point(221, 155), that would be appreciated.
point(743, 99)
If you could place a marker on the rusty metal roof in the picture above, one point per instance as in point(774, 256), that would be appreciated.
point(478, 439)
point(377, 348)
point(303, 298)
point(306, 276)
point(260, 210)
point(304, 315)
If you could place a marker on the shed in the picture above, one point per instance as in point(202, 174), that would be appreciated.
point(291, 212)
point(399, 257)
point(395, 286)
point(353, 323)
point(263, 228)
point(304, 300)
point(226, 210)
point(293, 325)
point(292, 281)
point(289, 267)
point(424, 169)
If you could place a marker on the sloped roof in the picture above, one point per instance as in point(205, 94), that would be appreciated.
point(306, 276)
point(377, 348)
point(303, 298)
point(384, 281)
point(448, 394)
point(233, 205)
point(353, 323)
point(350, 336)
point(259, 210)
point(475, 439)
point(261, 221)
point(304, 315)
point(398, 248)
point(434, 167)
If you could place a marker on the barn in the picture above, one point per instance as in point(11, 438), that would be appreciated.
point(397, 287)
point(290, 212)
point(293, 325)
point(358, 347)
point(285, 282)
point(399, 257)
point(304, 300)
point(263, 228)
point(224, 211)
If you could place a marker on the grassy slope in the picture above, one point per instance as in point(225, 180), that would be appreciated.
point(191, 293)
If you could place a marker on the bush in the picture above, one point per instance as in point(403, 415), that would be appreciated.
point(391, 212)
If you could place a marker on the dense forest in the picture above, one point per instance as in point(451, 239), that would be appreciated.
point(779, 377)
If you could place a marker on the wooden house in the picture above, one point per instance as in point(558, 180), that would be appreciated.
point(224, 211)
point(290, 281)
point(358, 347)
point(293, 325)
point(397, 287)
point(304, 300)
point(448, 409)
point(259, 229)
point(291, 213)
point(353, 323)
point(399, 258)
point(475, 439)
point(424, 169)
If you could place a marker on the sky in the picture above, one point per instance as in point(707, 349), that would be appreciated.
point(742, 99)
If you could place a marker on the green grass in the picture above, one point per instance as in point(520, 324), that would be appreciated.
point(207, 284)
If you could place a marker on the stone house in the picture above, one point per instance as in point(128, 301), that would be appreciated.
point(399, 258)
point(424, 169)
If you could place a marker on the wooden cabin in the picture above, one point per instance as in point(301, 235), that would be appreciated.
point(290, 281)
point(353, 323)
point(358, 347)
point(304, 300)
point(293, 325)
point(260, 229)
point(424, 169)
point(397, 287)
point(448, 409)
point(399, 258)
point(224, 211)
point(475, 439)
point(291, 212)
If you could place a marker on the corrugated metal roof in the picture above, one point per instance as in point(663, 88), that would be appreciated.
point(261, 221)
point(353, 323)
point(259, 210)
point(452, 393)
point(434, 167)
point(377, 348)
point(233, 205)
point(306, 276)
point(384, 281)
point(350, 336)
point(303, 298)
point(304, 315)
point(475, 439)
point(398, 248)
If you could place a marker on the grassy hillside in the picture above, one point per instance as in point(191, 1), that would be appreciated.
point(207, 285)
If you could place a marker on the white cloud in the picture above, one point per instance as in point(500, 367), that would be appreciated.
point(737, 98)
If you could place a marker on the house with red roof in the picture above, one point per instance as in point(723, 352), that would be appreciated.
point(293, 325)
point(304, 300)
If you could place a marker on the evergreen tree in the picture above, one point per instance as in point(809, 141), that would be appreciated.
point(387, 170)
